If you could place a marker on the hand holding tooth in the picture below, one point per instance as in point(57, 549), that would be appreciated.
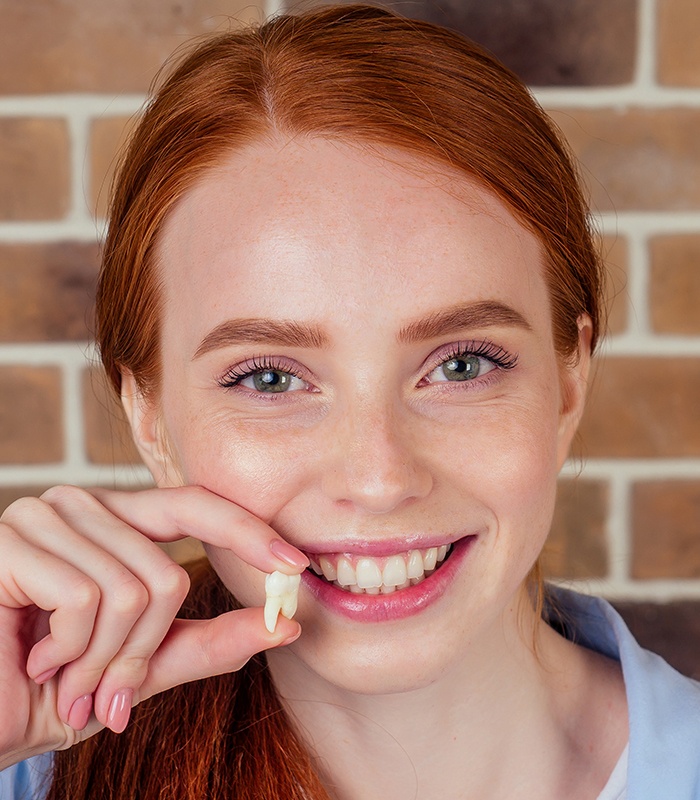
point(281, 594)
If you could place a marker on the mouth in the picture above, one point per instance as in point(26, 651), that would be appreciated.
point(362, 574)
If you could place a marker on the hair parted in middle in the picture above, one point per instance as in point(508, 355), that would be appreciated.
point(358, 74)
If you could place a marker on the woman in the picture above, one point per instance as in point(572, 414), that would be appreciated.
point(349, 299)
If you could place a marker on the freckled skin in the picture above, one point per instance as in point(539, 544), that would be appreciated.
point(320, 232)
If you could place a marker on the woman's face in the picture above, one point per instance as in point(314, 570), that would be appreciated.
point(359, 351)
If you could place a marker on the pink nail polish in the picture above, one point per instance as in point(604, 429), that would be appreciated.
point(289, 554)
point(79, 714)
point(119, 710)
point(45, 676)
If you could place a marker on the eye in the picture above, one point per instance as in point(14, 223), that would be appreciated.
point(461, 368)
point(264, 378)
point(465, 362)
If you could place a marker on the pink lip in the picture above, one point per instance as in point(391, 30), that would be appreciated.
point(378, 549)
point(386, 607)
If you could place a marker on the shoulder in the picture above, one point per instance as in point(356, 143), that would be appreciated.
point(664, 706)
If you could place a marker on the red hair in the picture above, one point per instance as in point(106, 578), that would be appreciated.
point(359, 74)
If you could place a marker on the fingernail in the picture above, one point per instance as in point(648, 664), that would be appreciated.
point(80, 711)
point(119, 710)
point(289, 554)
point(46, 676)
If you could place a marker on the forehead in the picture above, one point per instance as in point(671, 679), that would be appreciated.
point(324, 228)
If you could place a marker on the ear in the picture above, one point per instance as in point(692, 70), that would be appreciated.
point(145, 420)
point(574, 387)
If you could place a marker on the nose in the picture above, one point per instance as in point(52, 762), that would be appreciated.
point(374, 460)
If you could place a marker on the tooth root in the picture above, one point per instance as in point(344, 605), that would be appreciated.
point(289, 604)
point(394, 573)
point(273, 606)
point(414, 568)
point(330, 573)
point(346, 573)
point(369, 576)
point(430, 558)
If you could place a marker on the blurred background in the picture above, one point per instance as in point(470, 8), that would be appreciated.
point(622, 80)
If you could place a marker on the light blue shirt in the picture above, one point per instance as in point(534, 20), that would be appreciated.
point(664, 712)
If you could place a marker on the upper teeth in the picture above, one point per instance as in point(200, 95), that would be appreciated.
point(373, 575)
point(281, 594)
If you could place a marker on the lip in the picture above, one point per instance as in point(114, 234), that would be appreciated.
point(397, 605)
point(377, 549)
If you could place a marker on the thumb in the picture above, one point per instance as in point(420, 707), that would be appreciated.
point(195, 649)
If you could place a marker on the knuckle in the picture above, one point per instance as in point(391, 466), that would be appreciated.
point(129, 597)
point(22, 509)
point(172, 583)
point(66, 495)
point(85, 595)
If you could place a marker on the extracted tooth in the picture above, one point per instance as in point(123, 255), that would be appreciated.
point(394, 573)
point(368, 574)
point(430, 558)
point(415, 568)
point(345, 572)
point(273, 606)
point(281, 594)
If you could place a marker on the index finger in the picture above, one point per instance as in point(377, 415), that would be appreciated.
point(166, 515)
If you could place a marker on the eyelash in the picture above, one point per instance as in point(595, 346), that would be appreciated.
point(240, 372)
point(501, 358)
point(484, 349)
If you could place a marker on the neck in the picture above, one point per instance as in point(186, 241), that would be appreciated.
point(509, 716)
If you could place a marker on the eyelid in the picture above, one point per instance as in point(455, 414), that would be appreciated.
point(238, 372)
point(484, 348)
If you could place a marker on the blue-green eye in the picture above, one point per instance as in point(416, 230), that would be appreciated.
point(461, 368)
point(263, 378)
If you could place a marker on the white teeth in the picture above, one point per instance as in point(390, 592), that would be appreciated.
point(430, 558)
point(394, 573)
point(330, 573)
point(365, 576)
point(346, 574)
point(369, 576)
point(415, 568)
point(281, 594)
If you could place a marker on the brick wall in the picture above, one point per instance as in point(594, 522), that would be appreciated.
point(623, 81)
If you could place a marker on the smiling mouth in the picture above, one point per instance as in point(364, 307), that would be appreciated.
point(369, 575)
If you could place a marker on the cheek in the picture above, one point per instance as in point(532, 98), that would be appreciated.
point(255, 466)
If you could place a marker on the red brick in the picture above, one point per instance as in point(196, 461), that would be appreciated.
point(670, 629)
point(665, 518)
point(34, 169)
point(674, 289)
point(577, 546)
point(107, 433)
point(47, 291)
point(545, 42)
point(678, 35)
point(30, 415)
point(101, 45)
point(615, 253)
point(636, 158)
point(643, 407)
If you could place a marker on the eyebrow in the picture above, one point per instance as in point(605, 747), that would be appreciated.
point(482, 314)
point(262, 331)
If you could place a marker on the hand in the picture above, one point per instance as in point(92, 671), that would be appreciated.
point(88, 605)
